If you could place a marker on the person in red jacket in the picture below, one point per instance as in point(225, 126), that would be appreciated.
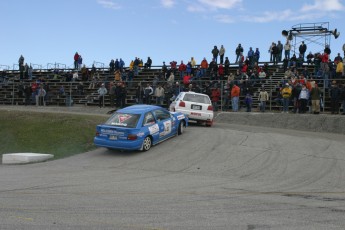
point(76, 57)
point(215, 96)
point(221, 71)
point(182, 69)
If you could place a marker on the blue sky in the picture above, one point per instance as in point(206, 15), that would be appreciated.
point(51, 31)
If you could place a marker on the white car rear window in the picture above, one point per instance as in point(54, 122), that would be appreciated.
point(197, 98)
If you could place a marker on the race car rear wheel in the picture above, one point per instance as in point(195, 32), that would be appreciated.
point(180, 128)
point(147, 143)
point(209, 123)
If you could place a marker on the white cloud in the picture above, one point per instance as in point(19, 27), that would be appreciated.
point(168, 3)
point(324, 5)
point(196, 8)
point(224, 19)
point(220, 4)
point(109, 4)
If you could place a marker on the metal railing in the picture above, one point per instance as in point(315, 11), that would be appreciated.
point(224, 103)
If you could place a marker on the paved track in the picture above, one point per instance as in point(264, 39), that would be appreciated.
point(224, 177)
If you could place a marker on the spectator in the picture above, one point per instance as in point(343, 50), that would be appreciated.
point(302, 49)
point(164, 69)
point(112, 66)
point(122, 64)
point(263, 98)
point(148, 91)
point(227, 66)
point(287, 48)
point(138, 94)
point(30, 70)
point(28, 94)
point(20, 61)
point(123, 95)
point(342, 98)
point(171, 79)
point(148, 63)
point(80, 62)
point(295, 93)
point(62, 91)
point(339, 70)
point(303, 99)
point(338, 59)
point(344, 49)
point(41, 93)
point(203, 67)
point(310, 57)
point(235, 94)
point(80, 88)
point(270, 50)
point(75, 76)
point(286, 94)
point(215, 53)
point(117, 64)
point(238, 51)
point(159, 94)
point(248, 100)
point(182, 69)
point(76, 57)
point(215, 96)
point(315, 95)
point(280, 51)
point(112, 89)
point(221, 54)
point(250, 56)
point(257, 55)
point(334, 94)
point(102, 91)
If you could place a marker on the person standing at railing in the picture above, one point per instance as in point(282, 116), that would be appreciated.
point(238, 51)
point(20, 61)
point(221, 54)
point(102, 91)
point(76, 57)
point(80, 62)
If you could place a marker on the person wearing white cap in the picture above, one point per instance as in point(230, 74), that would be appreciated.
point(102, 91)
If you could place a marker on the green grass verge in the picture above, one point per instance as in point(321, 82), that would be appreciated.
point(55, 133)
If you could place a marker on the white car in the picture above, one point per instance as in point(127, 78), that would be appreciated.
point(197, 106)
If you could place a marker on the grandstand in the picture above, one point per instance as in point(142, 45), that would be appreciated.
point(10, 87)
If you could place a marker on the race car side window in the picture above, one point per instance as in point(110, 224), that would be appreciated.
point(161, 115)
point(149, 119)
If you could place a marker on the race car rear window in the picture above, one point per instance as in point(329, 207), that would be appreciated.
point(197, 98)
point(124, 120)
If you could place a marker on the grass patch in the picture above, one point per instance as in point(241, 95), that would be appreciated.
point(55, 133)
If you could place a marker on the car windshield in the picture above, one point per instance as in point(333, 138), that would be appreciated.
point(197, 98)
point(127, 120)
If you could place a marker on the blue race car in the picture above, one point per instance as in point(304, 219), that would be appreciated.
point(138, 127)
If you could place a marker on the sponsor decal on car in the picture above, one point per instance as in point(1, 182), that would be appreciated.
point(141, 134)
point(180, 117)
point(153, 129)
point(112, 132)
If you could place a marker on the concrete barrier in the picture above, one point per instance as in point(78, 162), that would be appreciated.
point(24, 158)
point(305, 122)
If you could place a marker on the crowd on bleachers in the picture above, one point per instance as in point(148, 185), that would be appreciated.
point(215, 78)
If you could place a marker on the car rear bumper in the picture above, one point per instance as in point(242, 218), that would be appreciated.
point(118, 144)
point(197, 115)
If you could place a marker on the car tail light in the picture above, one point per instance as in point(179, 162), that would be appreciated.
point(132, 137)
point(210, 108)
point(182, 104)
point(97, 133)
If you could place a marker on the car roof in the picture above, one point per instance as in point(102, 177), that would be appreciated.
point(191, 92)
point(138, 109)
